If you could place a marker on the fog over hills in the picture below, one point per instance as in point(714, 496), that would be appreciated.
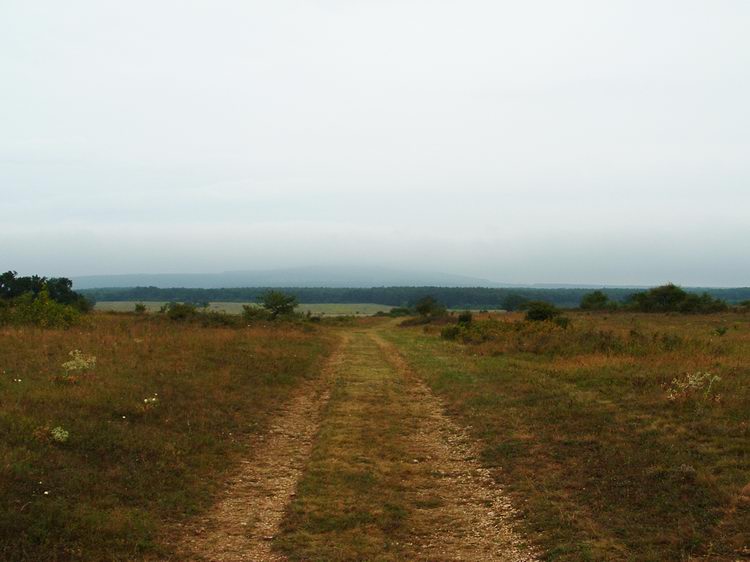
point(334, 276)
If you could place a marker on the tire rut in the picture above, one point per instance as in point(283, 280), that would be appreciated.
point(241, 525)
point(468, 515)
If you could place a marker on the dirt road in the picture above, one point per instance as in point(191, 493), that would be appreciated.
point(363, 464)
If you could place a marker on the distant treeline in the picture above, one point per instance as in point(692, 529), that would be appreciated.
point(452, 297)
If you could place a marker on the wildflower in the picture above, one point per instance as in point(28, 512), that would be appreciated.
point(693, 383)
point(59, 434)
point(79, 362)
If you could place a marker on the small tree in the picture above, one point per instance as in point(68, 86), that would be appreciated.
point(428, 306)
point(140, 308)
point(595, 301)
point(278, 303)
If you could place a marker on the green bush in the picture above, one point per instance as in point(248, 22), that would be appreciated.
point(180, 311)
point(465, 317)
point(671, 298)
point(400, 311)
point(40, 311)
point(450, 332)
point(58, 289)
point(540, 311)
point(140, 308)
point(252, 313)
point(217, 319)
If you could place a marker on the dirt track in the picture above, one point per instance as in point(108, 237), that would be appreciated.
point(456, 510)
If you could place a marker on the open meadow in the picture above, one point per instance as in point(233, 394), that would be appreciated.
point(624, 436)
point(97, 458)
point(614, 436)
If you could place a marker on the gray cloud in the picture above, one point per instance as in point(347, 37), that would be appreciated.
point(523, 142)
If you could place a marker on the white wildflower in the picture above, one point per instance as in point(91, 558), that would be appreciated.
point(79, 362)
point(59, 434)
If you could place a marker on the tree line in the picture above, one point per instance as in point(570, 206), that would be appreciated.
point(452, 297)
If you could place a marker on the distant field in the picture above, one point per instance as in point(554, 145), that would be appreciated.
point(329, 309)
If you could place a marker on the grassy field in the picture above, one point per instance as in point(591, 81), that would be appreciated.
point(322, 309)
point(93, 464)
point(621, 437)
point(600, 434)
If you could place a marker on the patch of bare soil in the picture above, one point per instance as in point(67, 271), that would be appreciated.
point(463, 513)
point(241, 525)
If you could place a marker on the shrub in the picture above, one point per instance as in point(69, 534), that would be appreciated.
point(400, 311)
point(140, 308)
point(252, 313)
point(59, 289)
point(465, 317)
point(217, 319)
point(450, 332)
point(180, 311)
point(540, 311)
point(40, 311)
point(671, 298)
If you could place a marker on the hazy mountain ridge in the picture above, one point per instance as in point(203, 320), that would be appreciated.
point(339, 277)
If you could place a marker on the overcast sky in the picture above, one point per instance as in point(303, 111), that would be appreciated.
point(541, 141)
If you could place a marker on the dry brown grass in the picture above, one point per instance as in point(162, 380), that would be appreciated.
point(129, 466)
point(581, 423)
